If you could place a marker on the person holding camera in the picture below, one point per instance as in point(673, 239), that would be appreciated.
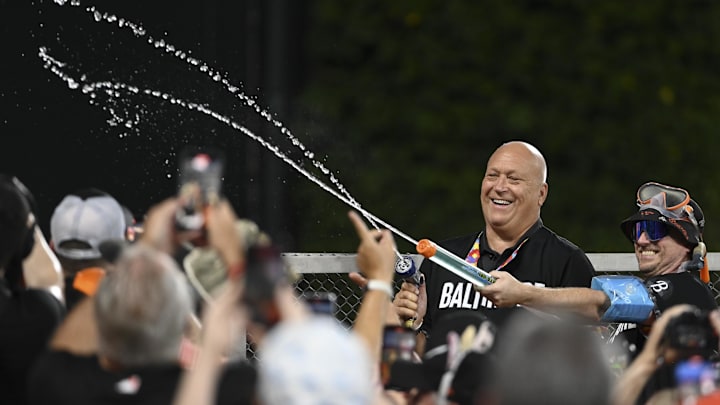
point(682, 334)
point(123, 344)
point(305, 357)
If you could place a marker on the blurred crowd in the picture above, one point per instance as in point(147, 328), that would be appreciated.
point(106, 311)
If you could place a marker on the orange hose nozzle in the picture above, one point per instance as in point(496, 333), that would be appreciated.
point(426, 248)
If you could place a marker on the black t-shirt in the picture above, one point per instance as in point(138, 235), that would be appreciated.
point(666, 290)
point(544, 260)
point(72, 296)
point(61, 378)
point(28, 319)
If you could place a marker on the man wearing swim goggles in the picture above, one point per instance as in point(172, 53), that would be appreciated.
point(665, 231)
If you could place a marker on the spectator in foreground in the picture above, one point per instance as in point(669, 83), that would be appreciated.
point(30, 290)
point(142, 309)
point(78, 227)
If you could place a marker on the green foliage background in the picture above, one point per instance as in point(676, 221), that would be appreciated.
point(406, 100)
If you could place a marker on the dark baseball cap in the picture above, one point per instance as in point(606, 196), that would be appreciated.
point(671, 206)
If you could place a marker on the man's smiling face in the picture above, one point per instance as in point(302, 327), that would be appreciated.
point(663, 256)
point(513, 190)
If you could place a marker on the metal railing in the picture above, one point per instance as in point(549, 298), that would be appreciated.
point(328, 272)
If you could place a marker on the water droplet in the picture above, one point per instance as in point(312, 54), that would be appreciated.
point(119, 92)
point(61, 2)
point(169, 176)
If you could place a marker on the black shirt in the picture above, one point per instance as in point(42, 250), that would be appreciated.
point(72, 296)
point(544, 260)
point(666, 290)
point(28, 319)
point(62, 378)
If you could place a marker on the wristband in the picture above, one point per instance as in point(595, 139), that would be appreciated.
point(380, 285)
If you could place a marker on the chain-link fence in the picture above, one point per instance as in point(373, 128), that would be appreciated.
point(328, 273)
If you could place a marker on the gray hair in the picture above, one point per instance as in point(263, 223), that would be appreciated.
point(551, 362)
point(142, 308)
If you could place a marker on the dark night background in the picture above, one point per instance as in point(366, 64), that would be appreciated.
point(402, 101)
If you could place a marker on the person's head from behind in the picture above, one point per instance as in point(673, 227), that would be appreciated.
point(546, 361)
point(666, 229)
point(81, 223)
point(514, 188)
point(142, 309)
point(314, 361)
point(457, 365)
point(16, 223)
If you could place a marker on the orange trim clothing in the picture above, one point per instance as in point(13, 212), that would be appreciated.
point(88, 280)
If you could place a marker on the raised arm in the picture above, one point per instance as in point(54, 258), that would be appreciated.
point(507, 291)
point(632, 382)
point(223, 319)
point(376, 260)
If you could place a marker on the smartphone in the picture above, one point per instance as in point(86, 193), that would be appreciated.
point(199, 185)
point(398, 345)
point(264, 273)
point(321, 302)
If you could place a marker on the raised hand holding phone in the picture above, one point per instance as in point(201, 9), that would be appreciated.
point(199, 186)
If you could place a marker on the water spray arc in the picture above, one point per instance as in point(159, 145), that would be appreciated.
point(118, 90)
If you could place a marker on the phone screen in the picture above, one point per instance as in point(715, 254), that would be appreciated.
point(199, 184)
point(398, 344)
